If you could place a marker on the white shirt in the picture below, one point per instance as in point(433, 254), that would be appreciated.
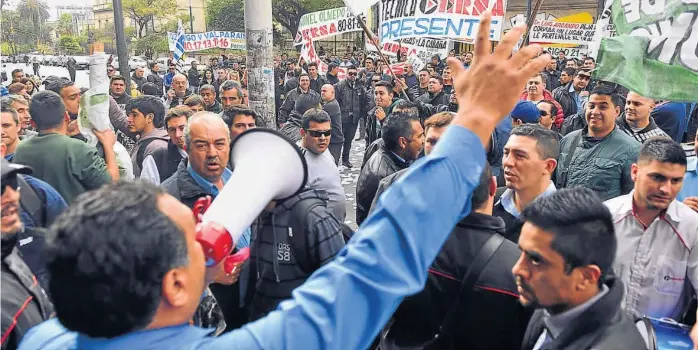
point(149, 171)
point(658, 265)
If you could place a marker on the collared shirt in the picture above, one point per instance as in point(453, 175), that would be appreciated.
point(690, 180)
point(400, 158)
point(555, 324)
point(658, 264)
point(149, 171)
point(384, 262)
point(509, 205)
point(580, 101)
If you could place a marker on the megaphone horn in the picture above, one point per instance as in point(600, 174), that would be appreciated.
point(268, 166)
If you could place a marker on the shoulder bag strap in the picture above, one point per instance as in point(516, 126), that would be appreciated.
point(562, 179)
point(471, 276)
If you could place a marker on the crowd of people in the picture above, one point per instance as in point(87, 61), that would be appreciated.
point(515, 201)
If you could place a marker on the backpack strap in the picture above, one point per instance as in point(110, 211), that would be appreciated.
point(299, 231)
point(32, 203)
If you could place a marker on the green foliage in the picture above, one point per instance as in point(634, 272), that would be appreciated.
point(143, 12)
point(289, 12)
point(150, 44)
point(70, 44)
point(20, 32)
point(35, 11)
point(228, 15)
point(65, 24)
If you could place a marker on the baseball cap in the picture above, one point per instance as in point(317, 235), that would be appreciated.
point(8, 169)
point(525, 111)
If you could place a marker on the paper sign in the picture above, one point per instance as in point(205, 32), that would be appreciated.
point(210, 40)
point(323, 24)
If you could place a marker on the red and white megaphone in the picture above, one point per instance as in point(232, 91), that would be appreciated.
point(268, 166)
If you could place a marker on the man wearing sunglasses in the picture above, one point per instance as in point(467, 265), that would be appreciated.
point(171, 72)
point(24, 302)
point(573, 96)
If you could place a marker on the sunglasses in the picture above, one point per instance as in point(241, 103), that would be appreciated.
point(583, 77)
point(543, 113)
point(318, 133)
point(11, 182)
point(352, 74)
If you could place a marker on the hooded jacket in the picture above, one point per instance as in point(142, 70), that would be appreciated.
point(603, 326)
point(289, 103)
point(494, 294)
point(434, 99)
point(548, 96)
point(24, 303)
point(151, 141)
point(276, 267)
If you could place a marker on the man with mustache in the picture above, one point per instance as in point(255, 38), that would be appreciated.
point(657, 255)
point(599, 156)
point(636, 122)
point(24, 302)
point(573, 96)
point(564, 271)
point(204, 173)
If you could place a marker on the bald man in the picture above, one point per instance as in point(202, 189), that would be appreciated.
point(179, 91)
point(636, 121)
point(331, 106)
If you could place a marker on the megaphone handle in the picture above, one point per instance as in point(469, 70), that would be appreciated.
point(231, 260)
point(200, 207)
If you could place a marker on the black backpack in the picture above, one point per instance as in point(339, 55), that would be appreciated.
point(33, 202)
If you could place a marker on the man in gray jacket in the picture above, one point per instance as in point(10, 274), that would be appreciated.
point(599, 156)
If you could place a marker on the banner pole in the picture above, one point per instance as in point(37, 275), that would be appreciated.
point(374, 40)
point(530, 19)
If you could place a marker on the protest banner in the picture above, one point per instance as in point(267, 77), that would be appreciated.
point(209, 40)
point(309, 55)
point(322, 24)
point(455, 19)
point(570, 52)
point(655, 53)
point(423, 48)
point(553, 32)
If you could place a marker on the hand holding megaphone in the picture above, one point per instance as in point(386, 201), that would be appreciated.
point(252, 186)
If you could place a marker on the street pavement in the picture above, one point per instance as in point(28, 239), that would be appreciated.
point(348, 176)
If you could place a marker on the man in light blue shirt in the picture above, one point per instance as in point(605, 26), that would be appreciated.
point(386, 260)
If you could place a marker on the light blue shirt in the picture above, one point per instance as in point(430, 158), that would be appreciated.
point(508, 204)
point(690, 180)
point(577, 98)
point(386, 261)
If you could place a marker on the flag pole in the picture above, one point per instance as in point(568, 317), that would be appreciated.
point(374, 41)
point(530, 20)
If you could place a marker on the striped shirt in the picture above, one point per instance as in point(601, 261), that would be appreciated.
point(651, 130)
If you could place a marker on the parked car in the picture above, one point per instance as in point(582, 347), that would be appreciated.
point(137, 61)
point(82, 62)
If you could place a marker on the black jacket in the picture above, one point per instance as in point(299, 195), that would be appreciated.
point(512, 225)
point(354, 100)
point(24, 303)
point(573, 123)
point(439, 99)
point(603, 326)
point(167, 160)
point(290, 103)
point(332, 108)
point(317, 84)
point(215, 108)
point(178, 101)
point(552, 80)
point(139, 81)
point(331, 79)
point(492, 319)
point(193, 76)
point(381, 164)
point(563, 96)
point(156, 79)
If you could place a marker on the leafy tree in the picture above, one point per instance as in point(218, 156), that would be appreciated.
point(144, 11)
point(20, 33)
point(70, 44)
point(65, 24)
point(288, 13)
point(228, 15)
point(36, 11)
point(151, 44)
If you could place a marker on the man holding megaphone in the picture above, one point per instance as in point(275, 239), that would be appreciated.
point(147, 272)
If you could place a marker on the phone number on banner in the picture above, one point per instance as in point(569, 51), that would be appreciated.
point(222, 43)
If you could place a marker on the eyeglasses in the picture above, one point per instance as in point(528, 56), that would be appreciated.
point(11, 182)
point(318, 133)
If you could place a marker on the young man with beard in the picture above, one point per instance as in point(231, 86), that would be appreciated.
point(657, 235)
point(637, 121)
point(599, 156)
point(162, 163)
point(323, 174)
point(564, 271)
point(566, 76)
point(573, 96)
point(69, 165)
point(117, 90)
point(145, 118)
point(403, 138)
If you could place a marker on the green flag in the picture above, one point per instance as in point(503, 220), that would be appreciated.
point(656, 51)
